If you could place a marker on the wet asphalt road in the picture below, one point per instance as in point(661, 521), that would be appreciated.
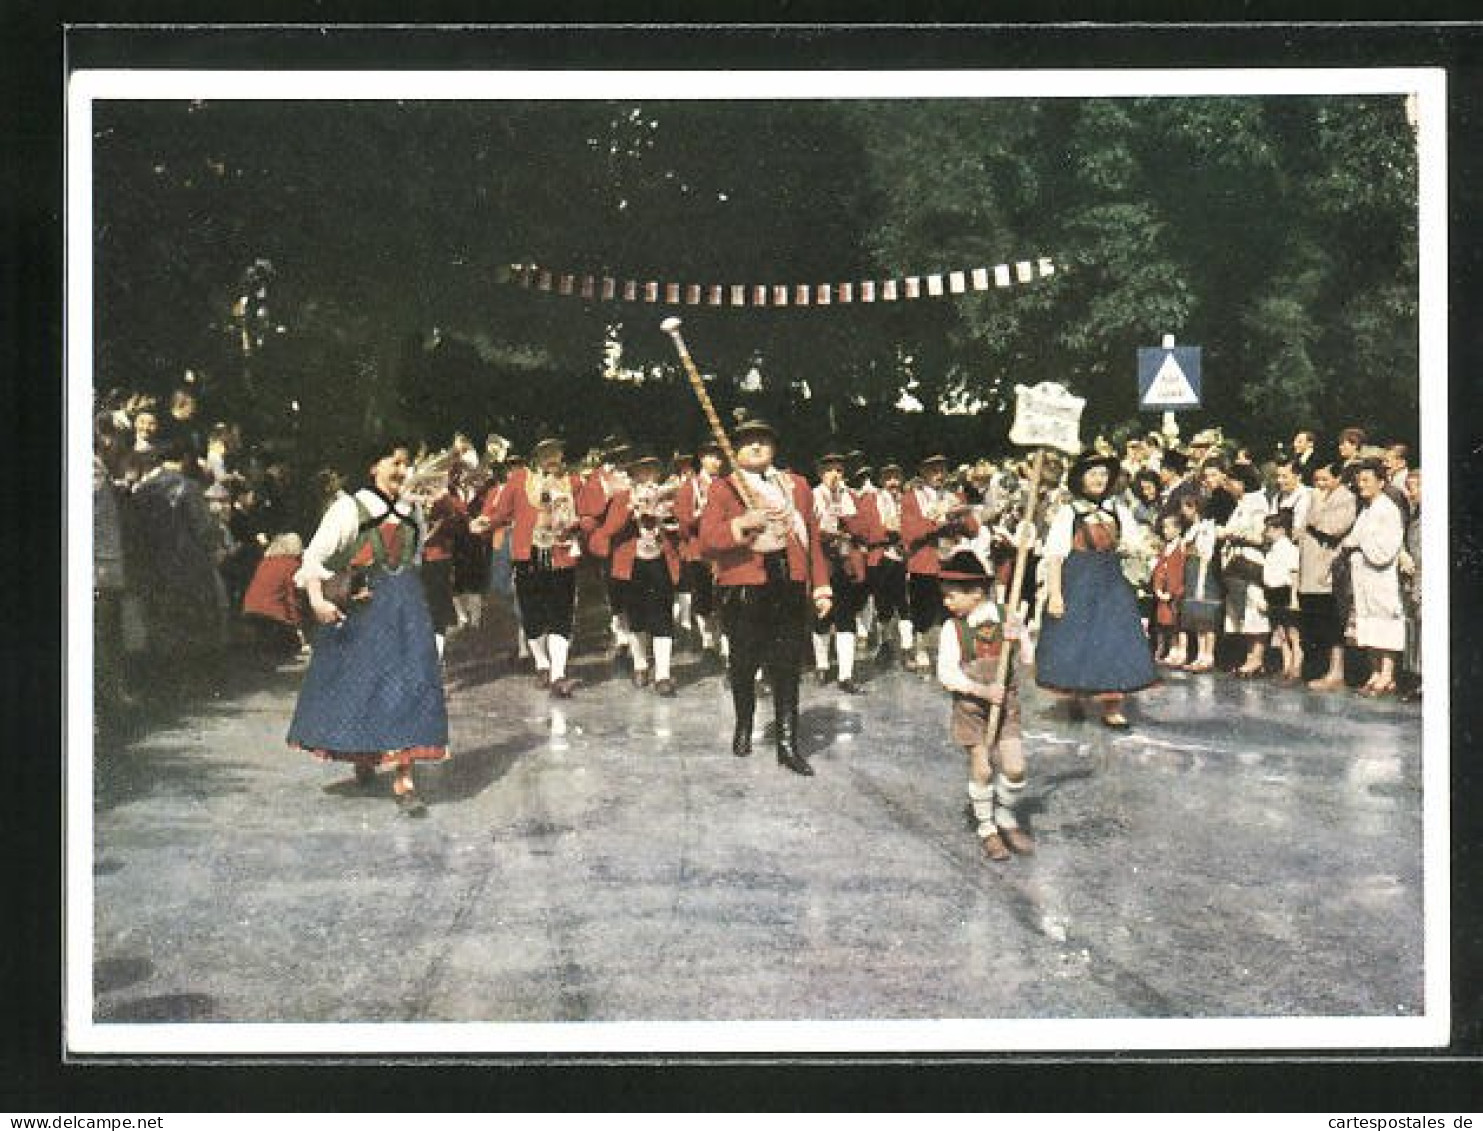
point(1249, 850)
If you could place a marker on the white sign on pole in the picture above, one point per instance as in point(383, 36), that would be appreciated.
point(1047, 416)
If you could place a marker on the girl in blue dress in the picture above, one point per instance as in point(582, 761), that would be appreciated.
point(1092, 642)
point(373, 694)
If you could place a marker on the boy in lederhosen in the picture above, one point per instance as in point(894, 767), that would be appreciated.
point(968, 654)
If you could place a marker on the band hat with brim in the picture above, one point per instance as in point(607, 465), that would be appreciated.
point(545, 447)
point(754, 428)
point(865, 471)
point(1175, 460)
point(888, 469)
point(709, 447)
point(1088, 461)
point(642, 458)
point(932, 461)
point(829, 459)
point(965, 567)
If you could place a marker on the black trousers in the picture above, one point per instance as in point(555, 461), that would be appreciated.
point(697, 580)
point(849, 599)
point(548, 598)
point(617, 592)
point(650, 597)
point(924, 595)
point(766, 625)
point(887, 582)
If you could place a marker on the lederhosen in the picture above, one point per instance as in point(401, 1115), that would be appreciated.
point(979, 650)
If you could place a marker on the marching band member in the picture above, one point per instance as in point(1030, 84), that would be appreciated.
point(696, 573)
point(539, 506)
point(862, 483)
point(769, 565)
point(598, 489)
point(840, 529)
point(373, 694)
point(929, 514)
point(885, 560)
point(682, 470)
point(640, 536)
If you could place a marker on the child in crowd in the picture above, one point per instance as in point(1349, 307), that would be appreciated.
point(1280, 583)
point(272, 602)
point(1167, 584)
point(967, 661)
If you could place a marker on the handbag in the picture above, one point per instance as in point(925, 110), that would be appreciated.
point(1241, 568)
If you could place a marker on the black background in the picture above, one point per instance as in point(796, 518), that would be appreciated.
point(39, 47)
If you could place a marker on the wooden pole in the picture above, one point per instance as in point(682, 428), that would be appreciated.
point(1017, 583)
point(671, 326)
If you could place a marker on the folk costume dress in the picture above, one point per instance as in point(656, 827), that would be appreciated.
point(373, 692)
point(1098, 644)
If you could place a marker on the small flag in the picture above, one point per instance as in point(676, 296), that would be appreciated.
point(800, 295)
point(630, 290)
point(913, 287)
point(779, 295)
point(544, 281)
point(980, 278)
point(692, 295)
point(651, 292)
point(589, 286)
point(713, 295)
point(1047, 268)
point(888, 290)
point(823, 295)
point(956, 283)
point(609, 289)
point(568, 282)
point(738, 294)
point(1001, 275)
point(867, 290)
point(1024, 271)
point(671, 293)
point(759, 294)
point(846, 292)
point(934, 285)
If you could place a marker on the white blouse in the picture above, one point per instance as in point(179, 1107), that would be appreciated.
point(340, 527)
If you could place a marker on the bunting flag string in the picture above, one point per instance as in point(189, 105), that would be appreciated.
point(607, 288)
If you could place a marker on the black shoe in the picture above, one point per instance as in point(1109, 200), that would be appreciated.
point(850, 687)
point(821, 676)
point(882, 657)
point(792, 760)
point(666, 688)
point(409, 804)
point(641, 677)
point(563, 688)
point(741, 739)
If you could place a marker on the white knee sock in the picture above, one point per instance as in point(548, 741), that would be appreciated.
point(821, 651)
point(724, 644)
point(639, 648)
point(537, 648)
point(557, 646)
point(522, 647)
point(982, 797)
point(664, 647)
point(844, 653)
point(707, 632)
point(682, 609)
point(1006, 797)
point(476, 608)
point(905, 633)
point(438, 639)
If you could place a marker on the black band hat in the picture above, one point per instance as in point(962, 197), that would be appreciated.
point(755, 427)
point(888, 468)
point(545, 447)
point(833, 458)
point(1085, 463)
point(932, 460)
point(963, 566)
point(1175, 460)
point(709, 447)
point(641, 457)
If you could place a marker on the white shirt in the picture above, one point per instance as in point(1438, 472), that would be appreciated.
point(773, 492)
point(1281, 565)
point(340, 527)
point(1063, 524)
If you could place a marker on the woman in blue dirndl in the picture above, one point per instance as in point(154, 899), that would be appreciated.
point(373, 694)
point(1092, 641)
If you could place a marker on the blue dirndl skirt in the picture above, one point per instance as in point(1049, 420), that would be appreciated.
point(1099, 644)
point(374, 683)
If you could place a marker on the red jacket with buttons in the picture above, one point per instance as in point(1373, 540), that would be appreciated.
point(736, 562)
point(919, 534)
point(512, 507)
point(620, 534)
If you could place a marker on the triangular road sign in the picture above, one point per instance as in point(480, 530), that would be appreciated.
point(1170, 386)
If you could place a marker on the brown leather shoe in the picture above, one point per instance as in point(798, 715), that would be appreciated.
point(641, 677)
point(994, 849)
point(666, 688)
point(563, 688)
point(1019, 841)
point(543, 679)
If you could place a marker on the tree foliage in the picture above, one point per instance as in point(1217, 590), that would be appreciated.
point(1279, 233)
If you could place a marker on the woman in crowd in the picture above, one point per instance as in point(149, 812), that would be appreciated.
point(373, 694)
point(1243, 538)
point(1331, 511)
point(1201, 609)
point(1410, 566)
point(1374, 546)
point(1092, 642)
